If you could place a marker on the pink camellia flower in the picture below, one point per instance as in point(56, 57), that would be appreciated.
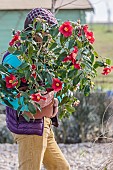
point(90, 37)
point(66, 29)
point(37, 97)
point(56, 84)
point(107, 70)
point(11, 81)
point(33, 67)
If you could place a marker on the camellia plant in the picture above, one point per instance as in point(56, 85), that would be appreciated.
point(59, 58)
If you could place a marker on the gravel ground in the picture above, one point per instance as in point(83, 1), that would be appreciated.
point(85, 156)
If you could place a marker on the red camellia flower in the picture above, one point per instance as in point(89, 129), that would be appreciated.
point(66, 29)
point(11, 81)
point(23, 80)
point(107, 70)
point(15, 38)
point(37, 97)
point(18, 95)
point(33, 67)
point(90, 37)
point(34, 75)
point(11, 43)
point(56, 84)
point(85, 28)
point(77, 66)
point(72, 56)
point(89, 34)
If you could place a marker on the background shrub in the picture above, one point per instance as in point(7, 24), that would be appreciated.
point(86, 123)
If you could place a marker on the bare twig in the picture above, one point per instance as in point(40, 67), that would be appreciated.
point(66, 4)
point(55, 10)
point(104, 116)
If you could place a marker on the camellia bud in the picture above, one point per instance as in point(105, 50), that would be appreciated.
point(78, 21)
point(77, 102)
point(92, 84)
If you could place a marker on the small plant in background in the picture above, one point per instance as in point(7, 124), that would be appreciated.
point(58, 58)
point(85, 124)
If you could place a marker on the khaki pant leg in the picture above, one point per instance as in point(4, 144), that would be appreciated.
point(31, 148)
point(53, 157)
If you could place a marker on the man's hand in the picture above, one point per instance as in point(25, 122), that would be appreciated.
point(49, 97)
point(55, 107)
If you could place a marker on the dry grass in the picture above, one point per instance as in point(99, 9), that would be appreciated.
point(104, 46)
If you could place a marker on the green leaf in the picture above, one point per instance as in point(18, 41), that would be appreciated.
point(30, 51)
point(38, 107)
point(62, 39)
point(64, 100)
point(40, 77)
point(25, 94)
point(45, 38)
point(70, 108)
point(108, 61)
point(88, 65)
point(38, 26)
point(76, 80)
point(27, 74)
point(98, 64)
point(27, 118)
point(2, 83)
point(61, 57)
point(11, 49)
point(23, 66)
point(71, 43)
point(54, 31)
point(3, 69)
point(23, 35)
point(31, 108)
point(61, 73)
point(57, 50)
point(49, 78)
point(7, 103)
point(72, 73)
point(79, 55)
point(53, 46)
point(17, 52)
point(92, 58)
point(95, 53)
point(19, 108)
point(87, 90)
point(79, 44)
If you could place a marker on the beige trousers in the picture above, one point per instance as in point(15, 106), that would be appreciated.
point(34, 149)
